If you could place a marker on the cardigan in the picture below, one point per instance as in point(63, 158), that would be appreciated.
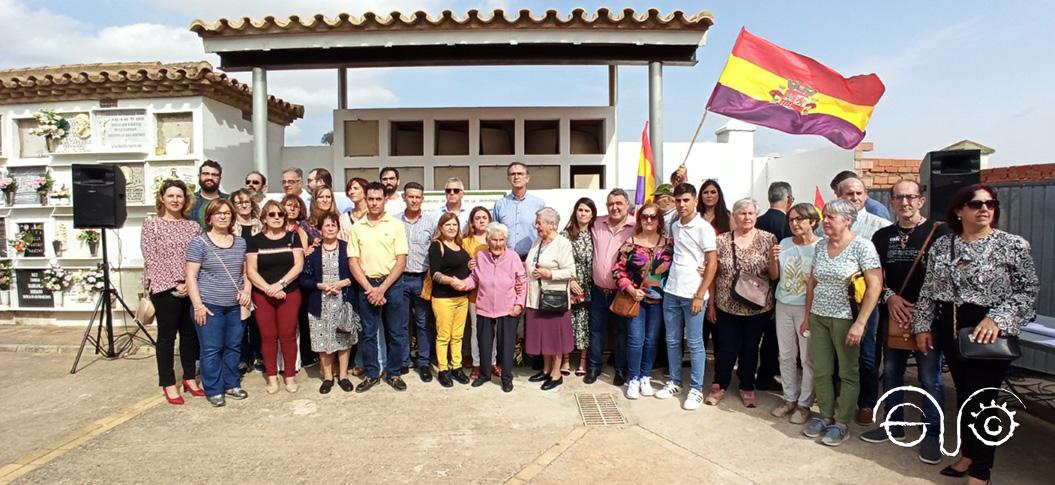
point(495, 281)
point(312, 276)
point(556, 257)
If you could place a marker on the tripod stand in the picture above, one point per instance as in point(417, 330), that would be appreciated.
point(104, 313)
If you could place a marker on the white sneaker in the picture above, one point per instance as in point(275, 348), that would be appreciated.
point(633, 389)
point(670, 389)
point(693, 401)
point(646, 387)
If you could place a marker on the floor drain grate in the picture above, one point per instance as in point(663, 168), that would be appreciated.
point(599, 410)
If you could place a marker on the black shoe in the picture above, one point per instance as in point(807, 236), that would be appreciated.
point(405, 370)
point(481, 381)
point(396, 382)
point(326, 387)
point(460, 376)
point(619, 379)
point(541, 376)
point(367, 383)
point(258, 366)
point(768, 385)
point(445, 378)
point(244, 368)
point(552, 383)
point(426, 373)
point(949, 471)
point(507, 386)
point(346, 385)
point(591, 377)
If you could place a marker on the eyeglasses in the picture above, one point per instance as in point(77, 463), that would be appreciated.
point(243, 202)
point(453, 191)
point(797, 220)
point(209, 174)
point(648, 217)
point(991, 204)
point(253, 182)
point(908, 197)
point(276, 214)
point(290, 182)
point(222, 214)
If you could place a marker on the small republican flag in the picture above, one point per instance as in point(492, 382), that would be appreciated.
point(646, 171)
point(770, 86)
point(818, 199)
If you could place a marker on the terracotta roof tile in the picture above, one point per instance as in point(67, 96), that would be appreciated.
point(603, 18)
point(135, 80)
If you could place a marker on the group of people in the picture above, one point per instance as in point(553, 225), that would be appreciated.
point(805, 293)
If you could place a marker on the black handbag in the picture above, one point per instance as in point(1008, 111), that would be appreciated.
point(551, 301)
point(1004, 348)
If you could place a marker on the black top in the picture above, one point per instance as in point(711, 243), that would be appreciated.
point(274, 256)
point(247, 231)
point(775, 222)
point(454, 263)
point(897, 260)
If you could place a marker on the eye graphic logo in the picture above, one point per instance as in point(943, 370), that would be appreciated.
point(993, 424)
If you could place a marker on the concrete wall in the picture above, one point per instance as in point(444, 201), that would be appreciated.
point(807, 169)
point(229, 140)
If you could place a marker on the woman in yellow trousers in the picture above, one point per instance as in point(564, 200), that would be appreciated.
point(449, 264)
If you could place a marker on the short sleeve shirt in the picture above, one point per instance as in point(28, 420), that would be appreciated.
point(830, 296)
point(795, 264)
point(275, 256)
point(377, 244)
point(691, 242)
point(220, 276)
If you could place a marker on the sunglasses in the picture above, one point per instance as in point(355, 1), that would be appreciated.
point(276, 214)
point(648, 217)
point(253, 182)
point(453, 191)
point(991, 204)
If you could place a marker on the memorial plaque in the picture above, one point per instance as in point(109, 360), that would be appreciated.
point(135, 183)
point(25, 193)
point(36, 248)
point(31, 290)
point(120, 130)
point(79, 136)
point(159, 173)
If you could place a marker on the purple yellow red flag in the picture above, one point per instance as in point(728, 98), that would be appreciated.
point(646, 171)
point(770, 86)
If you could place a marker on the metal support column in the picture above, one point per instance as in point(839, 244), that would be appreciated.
point(342, 88)
point(613, 86)
point(655, 117)
point(260, 120)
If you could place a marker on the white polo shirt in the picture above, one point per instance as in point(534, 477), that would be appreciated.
point(691, 241)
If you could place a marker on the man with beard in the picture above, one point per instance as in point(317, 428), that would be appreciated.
point(209, 175)
point(256, 184)
point(390, 181)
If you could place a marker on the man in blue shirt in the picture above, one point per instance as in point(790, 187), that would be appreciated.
point(517, 210)
point(872, 206)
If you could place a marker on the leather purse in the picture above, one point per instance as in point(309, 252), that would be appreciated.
point(1004, 348)
point(625, 305)
point(750, 290)
point(897, 337)
point(551, 301)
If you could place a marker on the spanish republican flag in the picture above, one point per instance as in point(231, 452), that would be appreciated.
point(770, 86)
point(646, 171)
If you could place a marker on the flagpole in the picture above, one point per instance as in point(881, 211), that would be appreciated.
point(694, 135)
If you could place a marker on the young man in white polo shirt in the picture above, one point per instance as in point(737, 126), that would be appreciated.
point(685, 294)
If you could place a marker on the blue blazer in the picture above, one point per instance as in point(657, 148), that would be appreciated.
point(312, 276)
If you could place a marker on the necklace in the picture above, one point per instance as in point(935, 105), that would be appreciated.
point(904, 235)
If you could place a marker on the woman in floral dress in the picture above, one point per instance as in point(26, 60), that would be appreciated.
point(578, 232)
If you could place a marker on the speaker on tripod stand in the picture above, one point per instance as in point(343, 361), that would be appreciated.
point(99, 203)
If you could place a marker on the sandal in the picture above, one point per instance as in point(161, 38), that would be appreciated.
point(714, 396)
point(580, 372)
point(748, 398)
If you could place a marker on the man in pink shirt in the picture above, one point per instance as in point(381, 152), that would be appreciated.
point(609, 233)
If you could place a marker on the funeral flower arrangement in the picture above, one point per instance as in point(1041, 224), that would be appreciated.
point(50, 125)
point(57, 279)
point(7, 275)
point(8, 183)
point(92, 280)
point(21, 241)
point(88, 236)
point(42, 183)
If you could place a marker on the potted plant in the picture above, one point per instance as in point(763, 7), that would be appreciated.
point(9, 186)
point(90, 237)
point(21, 241)
point(57, 281)
point(42, 185)
point(51, 126)
point(91, 282)
point(7, 280)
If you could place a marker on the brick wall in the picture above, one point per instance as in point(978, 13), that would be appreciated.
point(882, 173)
point(1021, 173)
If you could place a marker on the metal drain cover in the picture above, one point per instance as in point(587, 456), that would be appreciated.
point(599, 410)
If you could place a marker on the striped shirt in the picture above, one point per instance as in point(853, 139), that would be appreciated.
point(214, 284)
point(419, 237)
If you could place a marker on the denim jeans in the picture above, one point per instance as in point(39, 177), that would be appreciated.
point(600, 319)
point(390, 317)
point(421, 310)
point(642, 335)
point(221, 348)
point(869, 363)
point(679, 321)
point(928, 370)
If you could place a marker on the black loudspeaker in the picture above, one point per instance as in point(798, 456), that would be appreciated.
point(942, 173)
point(98, 197)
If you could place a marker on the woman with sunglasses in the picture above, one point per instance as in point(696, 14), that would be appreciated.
point(641, 271)
point(981, 277)
point(579, 232)
point(274, 260)
point(473, 240)
point(164, 240)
